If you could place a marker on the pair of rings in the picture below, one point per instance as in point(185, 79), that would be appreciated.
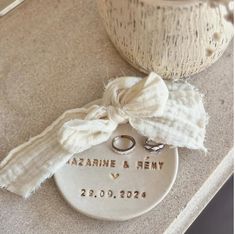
point(125, 144)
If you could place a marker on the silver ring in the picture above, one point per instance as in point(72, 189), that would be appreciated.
point(119, 140)
point(152, 146)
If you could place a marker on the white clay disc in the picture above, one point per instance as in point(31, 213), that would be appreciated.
point(105, 185)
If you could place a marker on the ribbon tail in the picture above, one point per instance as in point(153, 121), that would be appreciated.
point(30, 164)
point(27, 166)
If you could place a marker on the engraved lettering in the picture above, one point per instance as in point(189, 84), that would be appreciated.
point(136, 194)
point(95, 162)
point(110, 194)
point(91, 192)
point(100, 163)
point(80, 163)
point(83, 192)
point(122, 194)
point(129, 194)
point(154, 166)
point(88, 162)
point(105, 163)
point(146, 165)
point(102, 193)
point(139, 165)
point(113, 163)
point(161, 165)
point(74, 161)
point(125, 164)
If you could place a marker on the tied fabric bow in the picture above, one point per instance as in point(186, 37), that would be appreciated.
point(124, 100)
point(168, 112)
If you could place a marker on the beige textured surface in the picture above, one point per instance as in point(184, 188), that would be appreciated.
point(55, 55)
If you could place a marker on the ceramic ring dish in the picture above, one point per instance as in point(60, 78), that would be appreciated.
point(105, 185)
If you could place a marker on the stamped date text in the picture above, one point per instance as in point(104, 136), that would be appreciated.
point(110, 194)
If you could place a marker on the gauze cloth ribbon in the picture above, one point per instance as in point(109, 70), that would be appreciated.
point(168, 112)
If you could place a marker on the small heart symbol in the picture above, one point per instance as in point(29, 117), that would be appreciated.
point(114, 175)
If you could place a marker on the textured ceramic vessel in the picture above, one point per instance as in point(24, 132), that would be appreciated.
point(173, 38)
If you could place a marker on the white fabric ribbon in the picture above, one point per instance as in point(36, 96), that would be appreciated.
point(125, 99)
point(166, 112)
